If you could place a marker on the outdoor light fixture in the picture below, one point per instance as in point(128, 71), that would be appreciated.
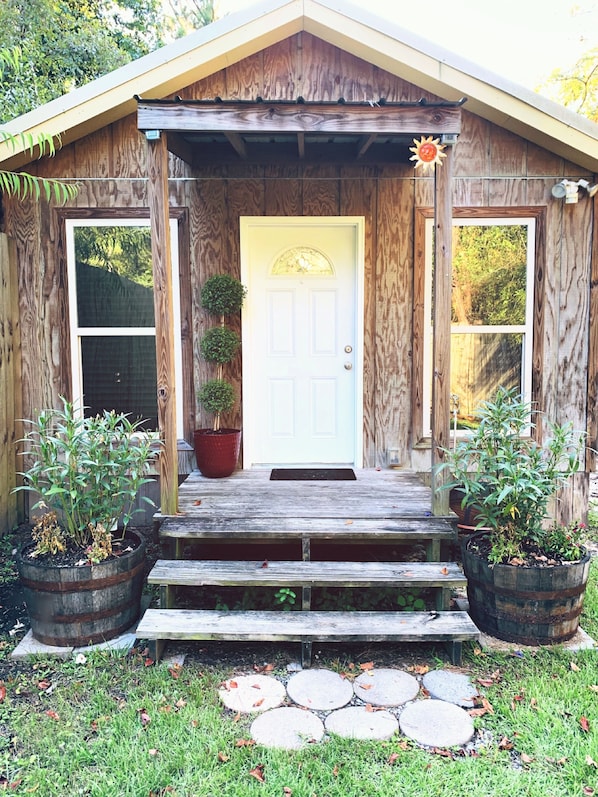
point(569, 189)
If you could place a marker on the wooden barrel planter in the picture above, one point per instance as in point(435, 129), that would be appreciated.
point(527, 605)
point(217, 453)
point(77, 606)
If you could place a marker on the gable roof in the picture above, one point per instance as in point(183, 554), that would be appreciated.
point(400, 52)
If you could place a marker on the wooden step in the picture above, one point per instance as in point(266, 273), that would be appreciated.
point(453, 627)
point(310, 574)
point(429, 531)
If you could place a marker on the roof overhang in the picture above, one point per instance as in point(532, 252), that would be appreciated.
point(211, 131)
point(168, 70)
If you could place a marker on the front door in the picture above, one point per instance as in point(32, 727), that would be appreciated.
point(302, 340)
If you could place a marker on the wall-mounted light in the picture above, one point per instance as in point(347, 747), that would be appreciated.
point(569, 189)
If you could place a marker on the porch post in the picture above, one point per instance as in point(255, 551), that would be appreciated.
point(441, 347)
point(157, 164)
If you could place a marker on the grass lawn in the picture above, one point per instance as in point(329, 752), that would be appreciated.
point(115, 726)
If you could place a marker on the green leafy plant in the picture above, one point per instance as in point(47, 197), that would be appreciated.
point(285, 597)
point(221, 295)
point(508, 478)
point(87, 471)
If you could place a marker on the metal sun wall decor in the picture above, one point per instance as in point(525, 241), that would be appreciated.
point(427, 152)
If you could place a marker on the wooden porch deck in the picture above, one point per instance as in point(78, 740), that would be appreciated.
point(378, 508)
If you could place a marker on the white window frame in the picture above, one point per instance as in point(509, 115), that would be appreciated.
point(77, 332)
point(525, 329)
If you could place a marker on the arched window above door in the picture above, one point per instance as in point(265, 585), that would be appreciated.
point(302, 260)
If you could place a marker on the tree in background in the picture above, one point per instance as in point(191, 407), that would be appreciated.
point(59, 45)
point(185, 16)
point(577, 87)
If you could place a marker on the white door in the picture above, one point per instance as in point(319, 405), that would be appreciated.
point(302, 340)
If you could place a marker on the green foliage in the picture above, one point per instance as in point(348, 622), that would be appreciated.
point(22, 184)
point(507, 477)
point(222, 295)
point(123, 249)
point(577, 87)
point(217, 396)
point(219, 345)
point(410, 601)
point(87, 470)
point(63, 45)
point(285, 597)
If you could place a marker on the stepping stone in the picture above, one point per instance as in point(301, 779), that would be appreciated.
point(435, 723)
point(386, 687)
point(452, 687)
point(320, 690)
point(252, 693)
point(287, 728)
point(356, 722)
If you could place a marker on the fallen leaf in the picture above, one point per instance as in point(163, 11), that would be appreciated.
point(43, 685)
point(263, 668)
point(403, 744)
point(533, 703)
point(232, 685)
point(2, 693)
point(258, 703)
point(574, 667)
point(392, 758)
point(588, 791)
point(181, 703)
point(153, 751)
point(258, 773)
point(444, 571)
point(420, 669)
point(287, 792)
point(335, 770)
point(594, 687)
point(366, 686)
point(148, 662)
point(244, 743)
point(526, 759)
point(265, 563)
point(348, 522)
point(485, 681)
point(590, 762)
point(175, 670)
point(505, 744)
point(222, 757)
point(53, 715)
point(368, 665)
point(197, 502)
point(584, 724)
point(144, 717)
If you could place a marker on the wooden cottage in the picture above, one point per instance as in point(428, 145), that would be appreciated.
point(281, 145)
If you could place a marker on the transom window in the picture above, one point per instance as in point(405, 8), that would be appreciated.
point(491, 313)
point(302, 260)
point(111, 306)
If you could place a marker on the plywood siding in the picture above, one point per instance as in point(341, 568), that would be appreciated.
point(492, 169)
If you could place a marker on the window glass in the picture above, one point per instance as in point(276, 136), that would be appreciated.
point(302, 260)
point(113, 336)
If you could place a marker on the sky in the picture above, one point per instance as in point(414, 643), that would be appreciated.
point(522, 40)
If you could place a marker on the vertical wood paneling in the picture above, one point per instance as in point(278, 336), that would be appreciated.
point(320, 76)
point(281, 70)
point(284, 193)
point(472, 151)
point(359, 197)
point(592, 457)
point(8, 389)
point(393, 317)
point(507, 153)
point(356, 79)
point(244, 79)
point(320, 191)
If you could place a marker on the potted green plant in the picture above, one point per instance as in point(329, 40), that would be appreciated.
point(83, 577)
point(217, 449)
point(526, 574)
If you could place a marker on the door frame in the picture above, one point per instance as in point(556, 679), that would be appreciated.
point(247, 223)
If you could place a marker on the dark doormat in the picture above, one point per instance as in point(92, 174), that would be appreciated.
point(312, 474)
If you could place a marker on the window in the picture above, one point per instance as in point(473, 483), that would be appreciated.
point(111, 306)
point(492, 311)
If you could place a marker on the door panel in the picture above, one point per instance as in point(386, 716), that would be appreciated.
point(300, 342)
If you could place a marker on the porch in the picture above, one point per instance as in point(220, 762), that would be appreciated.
point(307, 534)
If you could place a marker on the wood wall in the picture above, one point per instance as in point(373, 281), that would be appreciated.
point(10, 407)
point(493, 169)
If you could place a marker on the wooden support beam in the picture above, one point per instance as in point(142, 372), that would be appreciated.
point(301, 145)
point(441, 348)
point(295, 118)
point(157, 166)
point(181, 148)
point(365, 143)
point(237, 143)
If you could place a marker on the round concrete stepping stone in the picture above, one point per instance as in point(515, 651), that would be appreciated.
point(452, 687)
point(436, 723)
point(287, 728)
point(251, 693)
point(320, 690)
point(356, 722)
point(386, 687)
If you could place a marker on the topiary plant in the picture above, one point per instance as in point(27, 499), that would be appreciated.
point(221, 295)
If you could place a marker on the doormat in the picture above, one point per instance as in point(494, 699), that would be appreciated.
point(312, 474)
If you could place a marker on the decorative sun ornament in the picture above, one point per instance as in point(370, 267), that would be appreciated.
point(427, 152)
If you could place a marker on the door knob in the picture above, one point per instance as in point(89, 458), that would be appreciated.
point(348, 366)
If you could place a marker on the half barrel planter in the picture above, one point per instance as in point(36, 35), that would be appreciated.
point(75, 606)
point(526, 605)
